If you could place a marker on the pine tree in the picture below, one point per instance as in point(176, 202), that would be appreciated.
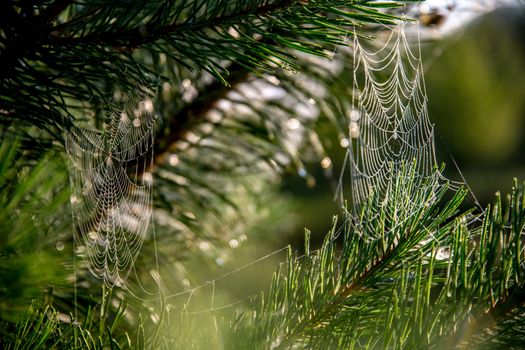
point(240, 89)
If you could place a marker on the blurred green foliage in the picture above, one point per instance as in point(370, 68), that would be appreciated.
point(476, 86)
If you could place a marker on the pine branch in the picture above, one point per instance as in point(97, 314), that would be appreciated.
point(498, 269)
point(316, 303)
point(413, 295)
point(340, 298)
point(203, 39)
point(148, 33)
point(58, 84)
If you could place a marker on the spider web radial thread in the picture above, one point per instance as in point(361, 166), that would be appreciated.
point(389, 127)
point(111, 187)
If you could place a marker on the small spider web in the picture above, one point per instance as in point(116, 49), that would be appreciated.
point(111, 187)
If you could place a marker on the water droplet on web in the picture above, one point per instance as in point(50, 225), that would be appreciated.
point(354, 130)
point(60, 246)
point(204, 246)
point(147, 177)
point(186, 283)
point(233, 243)
point(302, 172)
point(166, 87)
point(326, 163)
point(148, 106)
point(93, 235)
point(136, 122)
point(354, 115)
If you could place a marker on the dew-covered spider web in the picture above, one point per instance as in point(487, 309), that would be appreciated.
point(389, 125)
point(111, 187)
point(111, 170)
point(111, 197)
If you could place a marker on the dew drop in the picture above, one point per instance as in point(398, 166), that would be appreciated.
point(204, 246)
point(220, 261)
point(148, 106)
point(147, 177)
point(354, 130)
point(233, 243)
point(93, 235)
point(354, 115)
point(326, 163)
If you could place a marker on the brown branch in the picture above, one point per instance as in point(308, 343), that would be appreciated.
point(195, 112)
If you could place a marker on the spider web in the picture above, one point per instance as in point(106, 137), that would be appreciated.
point(112, 188)
point(389, 127)
point(111, 180)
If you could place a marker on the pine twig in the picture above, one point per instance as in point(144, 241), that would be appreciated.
point(136, 37)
